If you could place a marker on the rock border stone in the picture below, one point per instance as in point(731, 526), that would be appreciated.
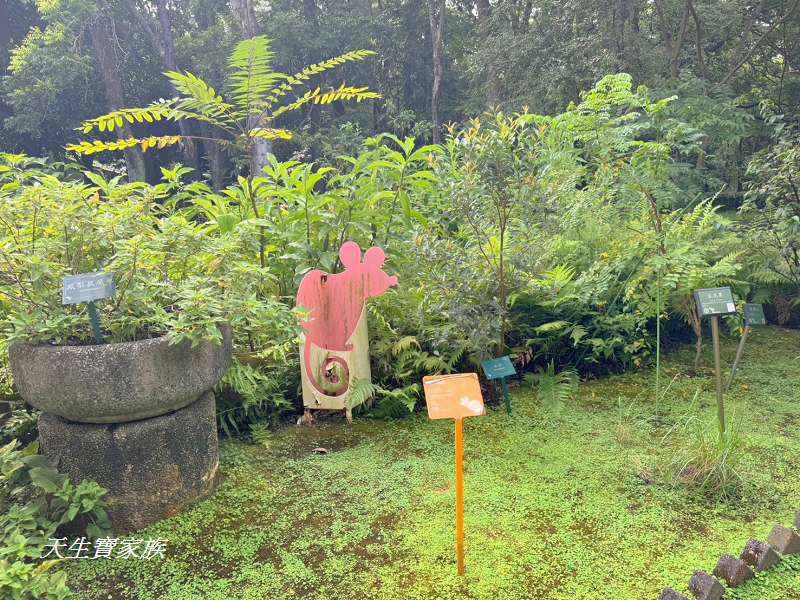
point(737, 571)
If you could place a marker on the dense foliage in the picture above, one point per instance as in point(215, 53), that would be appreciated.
point(36, 504)
point(549, 180)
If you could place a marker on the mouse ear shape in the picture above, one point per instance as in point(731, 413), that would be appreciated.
point(350, 255)
point(374, 258)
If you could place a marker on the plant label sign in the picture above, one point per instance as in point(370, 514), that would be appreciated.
point(754, 315)
point(453, 396)
point(498, 368)
point(714, 301)
point(87, 287)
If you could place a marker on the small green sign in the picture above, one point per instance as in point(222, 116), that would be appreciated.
point(714, 301)
point(498, 368)
point(754, 315)
point(87, 287)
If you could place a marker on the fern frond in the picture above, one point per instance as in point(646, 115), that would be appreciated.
point(252, 77)
point(404, 343)
point(361, 391)
point(199, 100)
point(343, 92)
point(270, 134)
point(554, 388)
point(303, 77)
point(87, 148)
point(119, 118)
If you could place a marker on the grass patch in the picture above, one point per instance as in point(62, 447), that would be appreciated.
point(560, 501)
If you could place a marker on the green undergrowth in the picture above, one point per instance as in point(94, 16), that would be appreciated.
point(562, 501)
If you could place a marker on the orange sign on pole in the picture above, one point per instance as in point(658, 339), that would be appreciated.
point(455, 397)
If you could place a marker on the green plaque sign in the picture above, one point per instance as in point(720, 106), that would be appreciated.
point(498, 367)
point(754, 315)
point(714, 301)
point(87, 287)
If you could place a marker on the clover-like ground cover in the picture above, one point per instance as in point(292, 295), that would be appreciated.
point(561, 502)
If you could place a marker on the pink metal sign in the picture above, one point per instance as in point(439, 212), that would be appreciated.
point(335, 306)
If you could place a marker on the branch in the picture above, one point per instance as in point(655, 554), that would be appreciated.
point(755, 46)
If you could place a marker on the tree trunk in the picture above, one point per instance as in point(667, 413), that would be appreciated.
point(485, 33)
point(214, 155)
point(168, 45)
point(311, 14)
point(103, 48)
point(698, 41)
point(245, 14)
point(5, 25)
point(436, 14)
point(675, 59)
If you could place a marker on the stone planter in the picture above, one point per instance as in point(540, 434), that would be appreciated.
point(138, 418)
point(152, 468)
point(116, 383)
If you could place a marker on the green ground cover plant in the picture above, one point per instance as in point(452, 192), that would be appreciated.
point(558, 504)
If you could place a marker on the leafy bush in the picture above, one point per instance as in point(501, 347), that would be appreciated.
point(52, 226)
point(771, 219)
point(36, 503)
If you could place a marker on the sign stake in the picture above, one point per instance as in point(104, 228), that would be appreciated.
point(456, 397)
point(460, 495)
point(739, 351)
point(718, 374)
point(500, 368)
point(89, 287)
point(506, 395)
point(98, 335)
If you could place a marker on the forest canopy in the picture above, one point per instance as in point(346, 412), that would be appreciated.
point(731, 63)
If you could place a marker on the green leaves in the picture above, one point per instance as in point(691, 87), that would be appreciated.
point(554, 388)
point(47, 479)
point(245, 117)
point(37, 500)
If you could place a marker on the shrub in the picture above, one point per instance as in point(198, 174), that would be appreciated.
point(36, 503)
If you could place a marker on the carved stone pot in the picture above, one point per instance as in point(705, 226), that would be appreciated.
point(137, 417)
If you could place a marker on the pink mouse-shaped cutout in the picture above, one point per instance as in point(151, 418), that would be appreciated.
point(335, 303)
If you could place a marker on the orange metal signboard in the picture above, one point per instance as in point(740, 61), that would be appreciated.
point(453, 396)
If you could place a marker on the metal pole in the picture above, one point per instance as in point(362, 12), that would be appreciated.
point(506, 395)
point(460, 495)
point(718, 374)
point(98, 335)
point(739, 351)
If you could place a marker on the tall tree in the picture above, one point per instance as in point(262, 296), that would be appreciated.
point(436, 13)
point(245, 13)
point(485, 31)
point(104, 41)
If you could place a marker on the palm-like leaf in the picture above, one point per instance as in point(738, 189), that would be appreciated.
point(254, 88)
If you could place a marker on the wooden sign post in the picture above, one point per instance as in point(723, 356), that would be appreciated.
point(753, 315)
point(89, 287)
point(455, 397)
point(500, 368)
point(713, 302)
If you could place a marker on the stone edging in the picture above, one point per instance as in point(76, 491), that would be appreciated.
point(757, 555)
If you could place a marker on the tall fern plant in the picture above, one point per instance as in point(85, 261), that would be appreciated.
point(245, 117)
point(256, 96)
